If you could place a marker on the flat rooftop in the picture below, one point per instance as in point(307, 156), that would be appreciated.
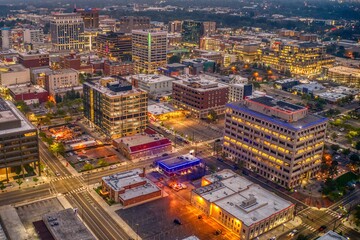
point(152, 78)
point(179, 162)
point(12, 120)
point(120, 180)
point(331, 235)
point(12, 68)
point(26, 88)
point(160, 108)
point(200, 83)
point(68, 226)
point(355, 72)
point(305, 122)
point(274, 103)
point(148, 188)
point(127, 89)
point(63, 71)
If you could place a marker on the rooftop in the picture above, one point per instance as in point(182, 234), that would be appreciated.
point(11, 120)
point(346, 71)
point(331, 235)
point(33, 52)
point(200, 83)
point(179, 162)
point(63, 71)
point(274, 103)
point(160, 108)
point(243, 199)
point(13, 68)
point(26, 88)
point(68, 226)
point(152, 78)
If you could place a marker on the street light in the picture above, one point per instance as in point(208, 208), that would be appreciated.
point(137, 231)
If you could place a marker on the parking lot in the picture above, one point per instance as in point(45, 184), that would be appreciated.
point(155, 220)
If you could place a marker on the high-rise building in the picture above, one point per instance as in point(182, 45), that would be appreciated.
point(191, 31)
point(208, 28)
point(115, 46)
point(279, 141)
point(90, 17)
point(128, 23)
point(6, 40)
point(115, 107)
point(299, 58)
point(18, 142)
point(67, 31)
point(33, 36)
point(149, 50)
point(175, 26)
point(200, 96)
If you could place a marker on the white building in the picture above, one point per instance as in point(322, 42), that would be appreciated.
point(157, 86)
point(33, 36)
point(6, 42)
point(310, 88)
point(245, 208)
point(61, 79)
point(14, 74)
point(237, 91)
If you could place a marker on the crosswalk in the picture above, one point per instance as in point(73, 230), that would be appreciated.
point(61, 178)
point(332, 213)
point(78, 190)
point(308, 227)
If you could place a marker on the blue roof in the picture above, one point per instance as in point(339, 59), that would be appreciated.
point(306, 122)
point(178, 164)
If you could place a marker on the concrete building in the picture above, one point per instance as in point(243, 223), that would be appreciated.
point(18, 142)
point(128, 23)
point(280, 141)
point(130, 187)
point(67, 31)
point(6, 40)
point(200, 96)
point(38, 75)
point(115, 46)
point(344, 75)
point(308, 88)
point(286, 84)
point(142, 145)
point(208, 28)
point(246, 209)
point(112, 68)
point(14, 74)
point(33, 36)
point(237, 92)
point(199, 65)
point(90, 17)
point(248, 52)
point(157, 86)
point(115, 107)
point(33, 59)
point(303, 58)
point(331, 235)
point(61, 79)
point(149, 50)
point(175, 26)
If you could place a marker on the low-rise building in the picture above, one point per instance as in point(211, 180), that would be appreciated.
point(130, 187)
point(38, 75)
point(142, 145)
point(62, 79)
point(32, 59)
point(344, 75)
point(178, 165)
point(28, 93)
point(200, 96)
point(331, 235)
point(286, 84)
point(245, 208)
point(157, 86)
point(118, 68)
point(14, 74)
point(309, 88)
point(199, 65)
point(18, 142)
point(238, 92)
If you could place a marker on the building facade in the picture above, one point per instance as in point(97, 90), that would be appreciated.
point(33, 59)
point(33, 36)
point(128, 23)
point(200, 96)
point(14, 74)
point(118, 68)
point(67, 31)
point(280, 141)
point(114, 107)
point(155, 85)
point(18, 142)
point(208, 28)
point(237, 91)
point(61, 79)
point(149, 50)
point(90, 17)
point(344, 75)
point(115, 46)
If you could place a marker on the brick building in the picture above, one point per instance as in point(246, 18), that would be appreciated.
point(118, 68)
point(33, 59)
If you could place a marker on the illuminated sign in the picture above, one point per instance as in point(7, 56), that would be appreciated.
point(30, 134)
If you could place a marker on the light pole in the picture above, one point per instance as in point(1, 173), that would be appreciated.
point(137, 231)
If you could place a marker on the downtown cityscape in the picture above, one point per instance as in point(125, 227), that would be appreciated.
point(180, 120)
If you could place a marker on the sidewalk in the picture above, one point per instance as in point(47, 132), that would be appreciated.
point(350, 223)
point(28, 182)
point(282, 229)
point(111, 211)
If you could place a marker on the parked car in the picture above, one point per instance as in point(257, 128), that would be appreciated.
point(57, 174)
point(322, 228)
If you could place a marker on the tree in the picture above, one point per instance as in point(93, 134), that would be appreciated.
point(357, 145)
point(35, 179)
point(212, 116)
point(174, 59)
point(2, 186)
point(19, 181)
point(58, 98)
point(333, 170)
point(68, 119)
point(49, 105)
point(88, 166)
point(57, 148)
point(102, 163)
point(302, 237)
point(21, 105)
point(354, 158)
point(335, 147)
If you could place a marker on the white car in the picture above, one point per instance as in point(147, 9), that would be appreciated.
point(293, 232)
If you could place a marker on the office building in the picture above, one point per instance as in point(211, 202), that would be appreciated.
point(175, 26)
point(248, 52)
point(344, 75)
point(245, 208)
point(304, 58)
point(156, 86)
point(129, 187)
point(28, 93)
point(115, 46)
point(149, 50)
point(128, 23)
point(238, 91)
point(199, 65)
point(191, 31)
point(61, 80)
point(18, 142)
point(33, 59)
point(115, 107)
point(33, 36)
point(280, 141)
point(112, 68)
point(38, 75)
point(14, 74)
point(90, 17)
point(6, 40)
point(200, 96)
point(208, 28)
point(67, 31)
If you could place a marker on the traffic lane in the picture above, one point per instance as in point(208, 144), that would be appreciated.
point(51, 160)
point(28, 194)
